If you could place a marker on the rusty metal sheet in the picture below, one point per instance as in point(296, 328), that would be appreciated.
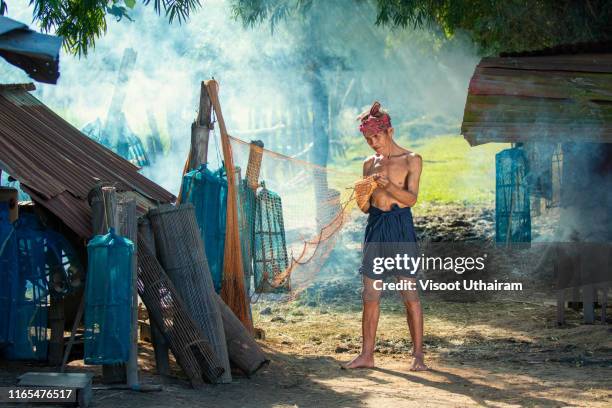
point(57, 164)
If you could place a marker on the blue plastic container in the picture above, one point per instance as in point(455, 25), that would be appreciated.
point(207, 191)
point(108, 299)
point(8, 277)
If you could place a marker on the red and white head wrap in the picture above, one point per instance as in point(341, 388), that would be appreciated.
point(374, 121)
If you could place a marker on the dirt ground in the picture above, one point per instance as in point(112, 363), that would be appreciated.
point(503, 350)
point(495, 354)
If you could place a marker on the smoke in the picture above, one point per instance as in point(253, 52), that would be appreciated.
point(262, 75)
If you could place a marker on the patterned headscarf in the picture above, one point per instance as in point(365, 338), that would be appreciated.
point(374, 121)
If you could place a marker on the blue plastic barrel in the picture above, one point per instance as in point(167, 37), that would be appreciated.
point(108, 299)
point(207, 191)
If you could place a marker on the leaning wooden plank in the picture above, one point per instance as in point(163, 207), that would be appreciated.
point(243, 350)
point(181, 252)
point(166, 309)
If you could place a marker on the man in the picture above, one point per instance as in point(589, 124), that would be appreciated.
point(396, 172)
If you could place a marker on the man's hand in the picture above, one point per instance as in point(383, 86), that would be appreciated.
point(363, 191)
point(383, 181)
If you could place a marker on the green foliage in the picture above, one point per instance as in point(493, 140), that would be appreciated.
point(81, 22)
point(506, 25)
point(253, 12)
point(495, 25)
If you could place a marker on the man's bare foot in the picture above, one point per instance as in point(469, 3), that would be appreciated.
point(361, 361)
point(418, 364)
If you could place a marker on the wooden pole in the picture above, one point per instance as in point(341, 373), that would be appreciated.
point(75, 326)
point(56, 323)
point(128, 228)
point(200, 130)
point(233, 290)
point(200, 135)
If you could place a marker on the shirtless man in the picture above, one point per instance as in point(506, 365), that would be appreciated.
point(397, 172)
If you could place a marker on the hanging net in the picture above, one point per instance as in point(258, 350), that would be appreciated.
point(207, 191)
point(291, 214)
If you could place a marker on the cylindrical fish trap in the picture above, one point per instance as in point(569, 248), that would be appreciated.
point(270, 254)
point(181, 253)
point(244, 352)
point(108, 299)
point(167, 310)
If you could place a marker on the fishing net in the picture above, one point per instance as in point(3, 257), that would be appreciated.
point(291, 215)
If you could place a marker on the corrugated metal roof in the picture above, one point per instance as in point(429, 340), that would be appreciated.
point(552, 98)
point(56, 164)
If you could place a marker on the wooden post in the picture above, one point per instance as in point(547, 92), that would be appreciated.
point(56, 323)
point(75, 326)
point(604, 301)
point(128, 227)
point(200, 130)
point(560, 306)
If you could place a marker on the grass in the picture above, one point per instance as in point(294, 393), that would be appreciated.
point(453, 172)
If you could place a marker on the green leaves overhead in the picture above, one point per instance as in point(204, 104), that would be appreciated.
point(495, 25)
point(81, 22)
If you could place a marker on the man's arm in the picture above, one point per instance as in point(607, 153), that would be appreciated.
point(409, 195)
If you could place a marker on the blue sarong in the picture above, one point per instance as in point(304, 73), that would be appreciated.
point(389, 234)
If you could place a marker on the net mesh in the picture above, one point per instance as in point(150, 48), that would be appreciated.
point(291, 212)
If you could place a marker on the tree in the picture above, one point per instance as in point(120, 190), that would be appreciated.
point(506, 25)
point(313, 31)
point(495, 25)
point(82, 22)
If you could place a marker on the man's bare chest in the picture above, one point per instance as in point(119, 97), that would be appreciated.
point(396, 169)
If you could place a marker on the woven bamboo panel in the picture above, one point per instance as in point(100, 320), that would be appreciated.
point(181, 253)
point(192, 350)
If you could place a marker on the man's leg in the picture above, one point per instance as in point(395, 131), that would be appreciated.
point(369, 324)
point(414, 317)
